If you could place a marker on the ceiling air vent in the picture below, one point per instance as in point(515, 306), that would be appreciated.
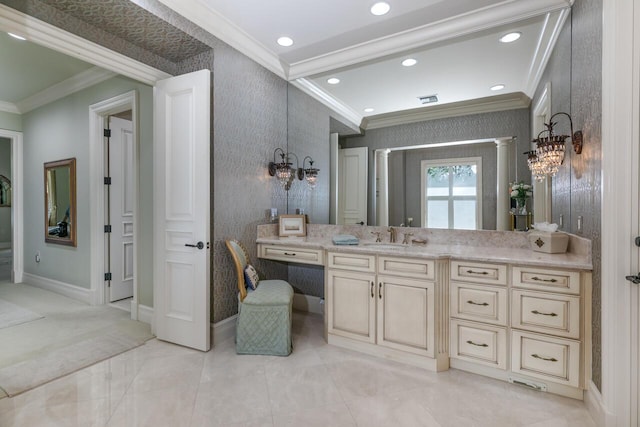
point(430, 99)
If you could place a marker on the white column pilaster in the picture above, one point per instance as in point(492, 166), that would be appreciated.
point(502, 194)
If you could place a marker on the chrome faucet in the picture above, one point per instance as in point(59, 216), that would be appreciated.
point(393, 235)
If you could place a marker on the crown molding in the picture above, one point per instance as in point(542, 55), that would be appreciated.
point(66, 87)
point(554, 22)
point(213, 22)
point(62, 41)
point(8, 107)
point(503, 13)
point(510, 101)
point(313, 90)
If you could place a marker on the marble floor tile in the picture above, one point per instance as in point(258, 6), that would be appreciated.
point(160, 384)
point(337, 415)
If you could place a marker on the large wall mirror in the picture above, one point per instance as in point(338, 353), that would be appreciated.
point(446, 138)
point(60, 202)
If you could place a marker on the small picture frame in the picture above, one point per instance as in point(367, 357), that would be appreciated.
point(292, 226)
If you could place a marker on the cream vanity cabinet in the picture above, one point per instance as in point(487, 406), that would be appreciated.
point(386, 302)
point(530, 324)
point(291, 254)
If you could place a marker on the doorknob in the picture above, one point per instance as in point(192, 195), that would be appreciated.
point(634, 279)
point(198, 245)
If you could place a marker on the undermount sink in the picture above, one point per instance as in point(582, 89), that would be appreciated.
point(384, 245)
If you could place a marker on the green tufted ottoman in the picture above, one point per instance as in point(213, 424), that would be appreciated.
point(264, 319)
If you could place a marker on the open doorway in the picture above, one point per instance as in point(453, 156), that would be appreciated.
point(115, 177)
point(119, 208)
point(6, 256)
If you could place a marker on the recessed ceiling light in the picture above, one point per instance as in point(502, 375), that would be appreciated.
point(409, 62)
point(333, 81)
point(510, 37)
point(15, 36)
point(368, 110)
point(285, 41)
point(497, 87)
point(380, 8)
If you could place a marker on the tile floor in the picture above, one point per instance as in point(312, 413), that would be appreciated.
point(160, 384)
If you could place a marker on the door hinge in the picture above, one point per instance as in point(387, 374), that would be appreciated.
point(107, 180)
point(107, 133)
point(107, 229)
point(107, 276)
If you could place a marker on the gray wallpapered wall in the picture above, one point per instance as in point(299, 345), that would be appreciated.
point(475, 126)
point(575, 73)
point(586, 179)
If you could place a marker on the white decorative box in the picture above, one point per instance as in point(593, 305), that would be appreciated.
point(549, 242)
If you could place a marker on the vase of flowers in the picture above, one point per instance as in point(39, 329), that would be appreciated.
point(521, 192)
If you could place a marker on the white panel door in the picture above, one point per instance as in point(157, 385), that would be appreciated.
point(181, 209)
point(352, 186)
point(121, 203)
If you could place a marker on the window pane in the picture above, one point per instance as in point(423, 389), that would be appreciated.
point(464, 214)
point(464, 180)
point(437, 214)
point(438, 181)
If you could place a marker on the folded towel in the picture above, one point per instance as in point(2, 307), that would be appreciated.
point(345, 239)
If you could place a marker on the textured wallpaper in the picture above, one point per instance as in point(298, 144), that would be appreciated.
point(475, 126)
point(575, 73)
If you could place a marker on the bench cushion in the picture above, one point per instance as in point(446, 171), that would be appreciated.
point(270, 293)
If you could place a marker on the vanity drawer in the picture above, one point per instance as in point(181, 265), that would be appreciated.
point(476, 272)
point(483, 344)
point(548, 358)
point(478, 302)
point(355, 262)
point(567, 282)
point(547, 313)
point(407, 267)
point(291, 254)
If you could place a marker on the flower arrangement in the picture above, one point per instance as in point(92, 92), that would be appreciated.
point(521, 192)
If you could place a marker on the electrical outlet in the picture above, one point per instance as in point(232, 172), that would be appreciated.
point(579, 223)
point(38, 256)
point(561, 221)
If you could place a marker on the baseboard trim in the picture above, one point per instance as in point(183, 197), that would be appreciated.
point(145, 314)
point(71, 291)
point(223, 330)
point(308, 303)
point(595, 406)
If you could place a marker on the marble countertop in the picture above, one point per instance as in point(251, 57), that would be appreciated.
point(522, 256)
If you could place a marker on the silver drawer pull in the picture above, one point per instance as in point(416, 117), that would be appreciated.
point(537, 279)
point(288, 254)
point(548, 359)
point(477, 303)
point(476, 344)
point(543, 314)
point(477, 272)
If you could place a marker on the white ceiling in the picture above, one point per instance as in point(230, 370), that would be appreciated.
point(454, 41)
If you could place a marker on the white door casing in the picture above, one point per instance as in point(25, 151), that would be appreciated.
point(181, 210)
point(620, 213)
point(121, 208)
point(352, 186)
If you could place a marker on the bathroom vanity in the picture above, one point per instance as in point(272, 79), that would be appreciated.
point(480, 301)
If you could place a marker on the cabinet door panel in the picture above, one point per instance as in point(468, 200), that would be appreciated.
point(406, 314)
point(351, 305)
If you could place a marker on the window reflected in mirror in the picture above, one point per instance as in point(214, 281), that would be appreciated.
point(60, 202)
